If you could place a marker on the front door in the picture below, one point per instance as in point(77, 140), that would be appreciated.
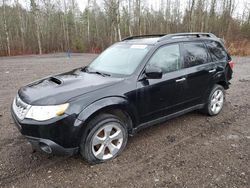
point(160, 97)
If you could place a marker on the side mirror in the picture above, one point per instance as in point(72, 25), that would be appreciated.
point(153, 72)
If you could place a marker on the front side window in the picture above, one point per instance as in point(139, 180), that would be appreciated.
point(216, 50)
point(120, 59)
point(167, 58)
point(194, 54)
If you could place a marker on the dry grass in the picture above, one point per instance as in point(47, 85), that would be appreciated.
point(239, 48)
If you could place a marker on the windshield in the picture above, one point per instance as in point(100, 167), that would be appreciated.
point(120, 59)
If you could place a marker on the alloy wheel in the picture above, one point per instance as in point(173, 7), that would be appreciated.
point(107, 141)
point(217, 101)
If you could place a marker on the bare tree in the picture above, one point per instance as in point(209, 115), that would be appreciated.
point(88, 21)
point(191, 21)
point(55, 26)
point(112, 11)
point(129, 16)
point(21, 24)
point(34, 10)
point(138, 16)
point(6, 28)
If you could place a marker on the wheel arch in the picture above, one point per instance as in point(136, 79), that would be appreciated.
point(223, 83)
point(118, 106)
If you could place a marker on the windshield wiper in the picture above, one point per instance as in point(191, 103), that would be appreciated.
point(95, 72)
point(100, 73)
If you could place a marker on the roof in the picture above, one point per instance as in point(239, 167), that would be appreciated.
point(154, 39)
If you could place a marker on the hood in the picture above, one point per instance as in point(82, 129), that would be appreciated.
point(60, 88)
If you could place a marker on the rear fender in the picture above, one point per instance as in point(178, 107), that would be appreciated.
point(218, 78)
point(221, 77)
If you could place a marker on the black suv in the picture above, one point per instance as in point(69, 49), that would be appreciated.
point(135, 83)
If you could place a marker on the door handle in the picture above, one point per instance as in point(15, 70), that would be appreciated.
point(180, 80)
point(212, 70)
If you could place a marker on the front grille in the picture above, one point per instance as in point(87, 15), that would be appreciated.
point(20, 108)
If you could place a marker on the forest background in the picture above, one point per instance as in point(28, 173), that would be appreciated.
point(50, 26)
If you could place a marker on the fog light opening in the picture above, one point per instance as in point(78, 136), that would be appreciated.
point(46, 148)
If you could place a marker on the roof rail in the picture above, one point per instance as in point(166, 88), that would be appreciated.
point(180, 35)
point(143, 36)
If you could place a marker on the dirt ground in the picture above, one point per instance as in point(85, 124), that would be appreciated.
point(193, 150)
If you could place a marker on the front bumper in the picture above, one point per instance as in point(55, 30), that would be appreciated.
point(61, 135)
point(50, 147)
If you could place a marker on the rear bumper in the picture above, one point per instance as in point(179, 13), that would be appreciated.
point(50, 147)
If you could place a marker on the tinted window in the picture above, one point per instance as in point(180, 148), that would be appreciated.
point(217, 51)
point(167, 58)
point(195, 54)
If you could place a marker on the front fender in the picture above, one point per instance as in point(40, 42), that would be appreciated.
point(108, 102)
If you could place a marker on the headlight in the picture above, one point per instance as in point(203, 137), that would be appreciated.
point(42, 113)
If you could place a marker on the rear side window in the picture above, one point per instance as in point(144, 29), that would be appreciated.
point(217, 51)
point(194, 54)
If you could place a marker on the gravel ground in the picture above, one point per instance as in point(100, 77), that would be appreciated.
point(193, 150)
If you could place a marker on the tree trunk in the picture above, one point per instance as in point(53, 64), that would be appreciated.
point(138, 16)
point(65, 43)
point(191, 22)
point(38, 38)
point(118, 20)
point(36, 19)
point(88, 24)
point(119, 32)
point(21, 25)
point(6, 29)
point(129, 17)
point(74, 14)
point(66, 24)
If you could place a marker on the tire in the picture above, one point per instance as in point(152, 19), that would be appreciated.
point(215, 101)
point(106, 139)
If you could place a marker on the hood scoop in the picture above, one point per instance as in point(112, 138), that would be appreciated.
point(55, 80)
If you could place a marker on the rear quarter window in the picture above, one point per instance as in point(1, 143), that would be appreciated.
point(216, 51)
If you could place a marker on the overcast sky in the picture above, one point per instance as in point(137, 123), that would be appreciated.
point(240, 4)
point(155, 3)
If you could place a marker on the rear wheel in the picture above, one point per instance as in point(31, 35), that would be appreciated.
point(215, 100)
point(107, 138)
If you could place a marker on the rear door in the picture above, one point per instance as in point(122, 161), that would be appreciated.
point(199, 70)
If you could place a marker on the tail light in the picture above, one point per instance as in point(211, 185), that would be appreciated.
point(231, 64)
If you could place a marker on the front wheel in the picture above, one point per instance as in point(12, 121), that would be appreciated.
point(106, 139)
point(215, 100)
